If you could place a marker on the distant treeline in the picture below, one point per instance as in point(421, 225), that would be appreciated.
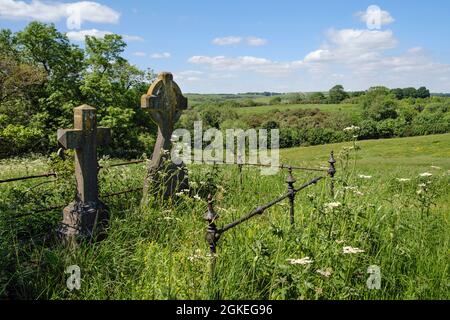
point(384, 114)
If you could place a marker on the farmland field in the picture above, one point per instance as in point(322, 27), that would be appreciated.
point(390, 209)
point(352, 109)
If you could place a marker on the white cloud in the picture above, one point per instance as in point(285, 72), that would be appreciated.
point(226, 41)
point(233, 40)
point(75, 13)
point(80, 35)
point(139, 54)
point(188, 75)
point(129, 38)
point(245, 63)
point(163, 55)
point(352, 45)
point(374, 14)
point(255, 41)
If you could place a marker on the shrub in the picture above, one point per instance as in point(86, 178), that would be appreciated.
point(16, 139)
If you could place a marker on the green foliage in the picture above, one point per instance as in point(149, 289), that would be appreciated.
point(381, 108)
point(275, 100)
point(317, 97)
point(16, 139)
point(44, 77)
point(159, 252)
point(337, 94)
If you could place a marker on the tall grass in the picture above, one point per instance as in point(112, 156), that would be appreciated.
point(159, 252)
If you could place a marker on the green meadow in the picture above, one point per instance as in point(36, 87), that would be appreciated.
point(390, 209)
point(351, 109)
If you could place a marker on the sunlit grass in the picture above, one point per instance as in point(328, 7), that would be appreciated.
point(398, 220)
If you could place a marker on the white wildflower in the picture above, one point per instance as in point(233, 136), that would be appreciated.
point(197, 197)
point(403, 179)
point(325, 272)
point(359, 193)
point(302, 261)
point(364, 176)
point(422, 185)
point(193, 184)
point(340, 241)
point(347, 250)
point(351, 128)
point(332, 205)
point(425, 174)
point(196, 256)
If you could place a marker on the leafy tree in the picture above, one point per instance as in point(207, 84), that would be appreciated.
point(382, 108)
point(275, 100)
point(423, 92)
point(409, 93)
point(317, 97)
point(16, 78)
point(337, 94)
point(398, 93)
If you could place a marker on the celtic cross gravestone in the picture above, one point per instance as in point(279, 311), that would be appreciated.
point(165, 102)
point(84, 216)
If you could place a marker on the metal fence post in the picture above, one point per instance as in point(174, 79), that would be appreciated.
point(290, 181)
point(240, 165)
point(212, 234)
point(332, 172)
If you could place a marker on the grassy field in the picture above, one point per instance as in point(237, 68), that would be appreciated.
point(391, 207)
point(352, 109)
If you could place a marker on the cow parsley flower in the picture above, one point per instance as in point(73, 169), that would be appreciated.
point(325, 272)
point(332, 205)
point(352, 128)
point(425, 175)
point(351, 250)
point(302, 261)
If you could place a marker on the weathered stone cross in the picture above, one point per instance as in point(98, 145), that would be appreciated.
point(165, 103)
point(80, 218)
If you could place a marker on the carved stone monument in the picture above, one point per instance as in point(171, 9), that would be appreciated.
point(165, 102)
point(87, 216)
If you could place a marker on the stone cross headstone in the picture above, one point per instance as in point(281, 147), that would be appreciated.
point(165, 102)
point(87, 215)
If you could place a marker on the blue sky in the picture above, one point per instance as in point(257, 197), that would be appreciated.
point(240, 46)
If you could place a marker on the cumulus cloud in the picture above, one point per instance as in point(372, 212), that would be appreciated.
point(357, 58)
point(352, 44)
point(233, 40)
point(75, 13)
point(245, 63)
point(163, 55)
point(188, 75)
point(255, 41)
point(131, 38)
point(139, 54)
point(79, 36)
point(226, 41)
point(374, 15)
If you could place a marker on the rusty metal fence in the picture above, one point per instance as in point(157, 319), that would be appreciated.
point(213, 234)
